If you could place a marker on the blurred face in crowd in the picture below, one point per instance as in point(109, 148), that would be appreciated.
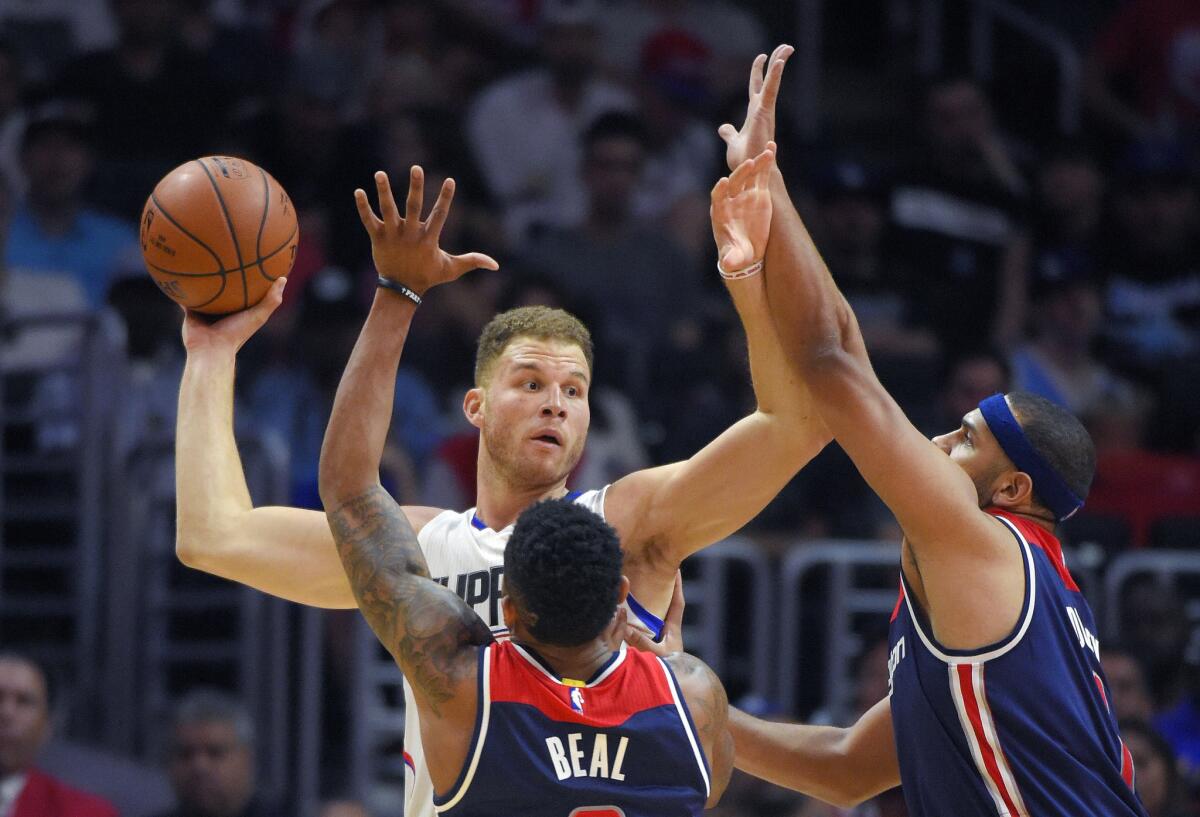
point(57, 163)
point(1153, 779)
point(611, 171)
point(24, 715)
point(853, 223)
point(971, 380)
point(1127, 686)
point(570, 51)
point(1070, 191)
point(957, 119)
point(211, 770)
point(147, 22)
point(343, 808)
point(1158, 217)
point(534, 414)
point(1072, 315)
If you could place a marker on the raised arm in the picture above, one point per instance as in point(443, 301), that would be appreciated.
point(840, 766)
point(431, 633)
point(286, 552)
point(669, 512)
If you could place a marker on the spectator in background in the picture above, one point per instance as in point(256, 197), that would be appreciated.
point(524, 130)
point(1058, 361)
point(969, 376)
point(343, 808)
point(1157, 774)
point(641, 278)
point(1069, 211)
point(958, 214)
point(12, 118)
point(53, 232)
point(212, 759)
point(156, 103)
point(1127, 689)
point(1143, 76)
point(852, 219)
point(1153, 298)
point(26, 699)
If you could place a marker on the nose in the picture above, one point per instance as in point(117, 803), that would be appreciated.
point(555, 405)
point(943, 442)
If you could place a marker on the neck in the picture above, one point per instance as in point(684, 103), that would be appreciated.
point(1035, 515)
point(498, 502)
point(578, 663)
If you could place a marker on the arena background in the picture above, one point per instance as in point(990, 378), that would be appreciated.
point(1005, 189)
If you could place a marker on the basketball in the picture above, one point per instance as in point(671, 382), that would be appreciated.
point(216, 232)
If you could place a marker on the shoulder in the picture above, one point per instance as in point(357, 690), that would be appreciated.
point(696, 679)
point(72, 800)
point(419, 516)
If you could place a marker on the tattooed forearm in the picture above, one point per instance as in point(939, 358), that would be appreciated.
point(425, 626)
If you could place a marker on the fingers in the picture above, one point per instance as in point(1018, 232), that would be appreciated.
point(751, 173)
point(756, 74)
point(674, 617)
point(770, 87)
point(387, 202)
point(720, 189)
point(365, 214)
point(473, 260)
point(269, 303)
point(416, 195)
point(441, 208)
point(727, 132)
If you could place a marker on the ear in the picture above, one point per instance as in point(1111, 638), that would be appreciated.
point(1012, 489)
point(473, 403)
point(508, 610)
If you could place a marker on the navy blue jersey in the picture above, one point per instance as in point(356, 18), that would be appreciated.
point(1020, 727)
point(620, 745)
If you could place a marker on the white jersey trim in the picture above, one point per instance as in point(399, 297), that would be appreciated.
point(485, 704)
point(686, 720)
point(537, 665)
point(1005, 646)
point(1006, 784)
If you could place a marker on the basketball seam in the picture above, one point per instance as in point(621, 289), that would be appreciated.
point(262, 224)
point(237, 247)
point(223, 271)
point(220, 267)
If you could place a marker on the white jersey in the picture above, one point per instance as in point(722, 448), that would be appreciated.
point(468, 557)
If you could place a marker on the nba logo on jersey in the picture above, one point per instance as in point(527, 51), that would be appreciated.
point(577, 699)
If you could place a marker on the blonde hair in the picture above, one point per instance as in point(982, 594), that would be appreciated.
point(540, 322)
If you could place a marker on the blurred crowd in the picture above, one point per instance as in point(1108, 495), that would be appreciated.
point(981, 249)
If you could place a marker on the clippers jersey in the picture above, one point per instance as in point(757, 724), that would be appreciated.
point(621, 745)
point(1021, 727)
point(467, 556)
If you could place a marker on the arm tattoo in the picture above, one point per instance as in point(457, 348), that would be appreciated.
point(428, 630)
point(707, 700)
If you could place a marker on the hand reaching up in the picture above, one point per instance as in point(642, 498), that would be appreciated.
point(741, 212)
point(759, 127)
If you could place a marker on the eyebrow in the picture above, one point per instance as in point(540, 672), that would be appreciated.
point(537, 367)
point(969, 425)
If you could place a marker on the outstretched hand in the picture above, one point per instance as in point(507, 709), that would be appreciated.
point(759, 127)
point(671, 639)
point(404, 248)
point(228, 334)
point(741, 212)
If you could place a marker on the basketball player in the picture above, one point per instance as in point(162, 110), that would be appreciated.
point(533, 370)
point(997, 704)
point(553, 722)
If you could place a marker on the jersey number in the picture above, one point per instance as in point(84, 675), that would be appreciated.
point(597, 811)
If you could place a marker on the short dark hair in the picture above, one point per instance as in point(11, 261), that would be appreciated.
point(563, 564)
point(49, 682)
point(1057, 435)
point(207, 705)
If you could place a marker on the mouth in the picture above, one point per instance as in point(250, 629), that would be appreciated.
point(549, 438)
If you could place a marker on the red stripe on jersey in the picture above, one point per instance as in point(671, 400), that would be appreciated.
point(899, 601)
point(1044, 539)
point(637, 684)
point(967, 689)
point(1126, 765)
point(1100, 686)
point(408, 759)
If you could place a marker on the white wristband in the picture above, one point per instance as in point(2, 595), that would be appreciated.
point(753, 269)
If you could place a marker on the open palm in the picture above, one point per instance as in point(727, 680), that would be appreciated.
point(741, 212)
point(759, 127)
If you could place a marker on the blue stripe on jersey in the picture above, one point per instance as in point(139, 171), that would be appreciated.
point(478, 523)
point(652, 622)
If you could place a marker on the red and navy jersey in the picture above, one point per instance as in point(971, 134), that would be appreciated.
point(620, 745)
point(1020, 727)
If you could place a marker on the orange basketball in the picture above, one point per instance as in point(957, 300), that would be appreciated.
point(216, 232)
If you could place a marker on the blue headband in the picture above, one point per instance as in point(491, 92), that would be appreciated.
point(1047, 484)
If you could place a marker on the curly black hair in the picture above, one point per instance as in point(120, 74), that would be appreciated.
point(563, 564)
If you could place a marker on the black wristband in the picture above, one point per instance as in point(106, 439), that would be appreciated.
point(396, 286)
